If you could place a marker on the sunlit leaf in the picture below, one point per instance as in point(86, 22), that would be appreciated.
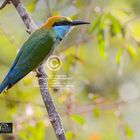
point(116, 26)
point(32, 5)
point(96, 112)
point(78, 119)
point(69, 135)
point(101, 44)
point(119, 55)
point(95, 24)
point(56, 13)
point(129, 132)
point(102, 48)
point(80, 3)
point(131, 51)
point(73, 17)
point(69, 64)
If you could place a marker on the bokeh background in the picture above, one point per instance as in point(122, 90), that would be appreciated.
point(97, 88)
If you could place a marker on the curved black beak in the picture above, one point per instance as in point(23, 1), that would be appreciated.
point(76, 22)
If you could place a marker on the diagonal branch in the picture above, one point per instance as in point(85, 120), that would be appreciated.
point(4, 4)
point(53, 115)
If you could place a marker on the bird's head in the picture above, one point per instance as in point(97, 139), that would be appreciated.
point(62, 25)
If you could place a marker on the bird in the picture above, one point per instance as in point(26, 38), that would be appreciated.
point(38, 47)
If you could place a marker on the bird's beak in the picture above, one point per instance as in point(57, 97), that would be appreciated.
point(76, 22)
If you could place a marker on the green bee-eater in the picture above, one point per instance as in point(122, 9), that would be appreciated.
point(38, 47)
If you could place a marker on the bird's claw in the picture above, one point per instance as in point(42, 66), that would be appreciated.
point(8, 87)
point(39, 74)
point(6, 90)
point(28, 31)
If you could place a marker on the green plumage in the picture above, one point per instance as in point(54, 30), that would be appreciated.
point(39, 46)
point(35, 49)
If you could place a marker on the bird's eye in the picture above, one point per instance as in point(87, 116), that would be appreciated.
point(62, 23)
point(59, 38)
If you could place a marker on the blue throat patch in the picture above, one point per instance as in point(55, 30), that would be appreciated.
point(61, 31)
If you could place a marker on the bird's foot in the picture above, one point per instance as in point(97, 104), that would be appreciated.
point(28, 31)
point(6, 90)
point(39, 74)
point(8, 87)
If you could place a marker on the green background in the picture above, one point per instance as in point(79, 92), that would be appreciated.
point(102, 61)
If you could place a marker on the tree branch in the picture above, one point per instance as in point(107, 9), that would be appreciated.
point(4, 4)
point(53, 115)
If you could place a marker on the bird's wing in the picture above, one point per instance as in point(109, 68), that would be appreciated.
point(32, 53)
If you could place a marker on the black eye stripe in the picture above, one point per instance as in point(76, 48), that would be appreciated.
point(62, 23)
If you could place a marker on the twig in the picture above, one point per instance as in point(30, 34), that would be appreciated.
point(53, 115)
point(4, 4)
point(30, 25)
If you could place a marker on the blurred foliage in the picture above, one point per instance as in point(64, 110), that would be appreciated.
point(96, 91)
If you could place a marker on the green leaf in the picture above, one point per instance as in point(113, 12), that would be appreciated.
point(80, 3)
point(32, 5)
point(129, 132)
point(78, 119)
point(95, 24)
point(102, 48)
point(101, 43)
point(96, 112)
point(73, 17)
point(69, 135)
point(119, 55)
point(131, 51)
point(116, 27)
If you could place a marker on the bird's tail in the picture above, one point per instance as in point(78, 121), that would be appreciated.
point(3, 85)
